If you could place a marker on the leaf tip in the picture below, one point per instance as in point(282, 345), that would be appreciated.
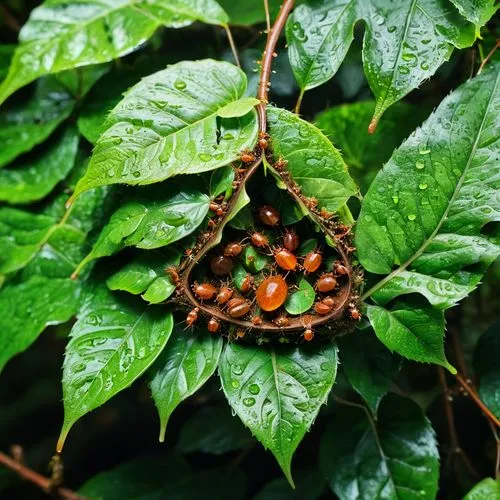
point(451, 368)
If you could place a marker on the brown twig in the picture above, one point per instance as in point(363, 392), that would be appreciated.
point(42, 482)
point(456, 449)
point(475, 397)
point(9, 19)
point(488, 57)
point(497, 440)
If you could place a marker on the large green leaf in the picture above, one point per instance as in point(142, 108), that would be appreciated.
point(487, 489)
point(188, 361)
point(278, 392)
point(366, 153)
point(113, 342)
point(146, 274)
point(24, 125)
point(368, 366)
point(35, 177)
point(426, 209)
point(487, 368)
point(395, 458)
point(153, 218)
point(168, 125)
point(61, 35)
point(412, 330)
point(404, 43)
point(478, 12)
point(313, 162)
point(247, 12)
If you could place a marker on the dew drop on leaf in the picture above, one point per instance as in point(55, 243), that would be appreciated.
point(249, 401)
point(180, 84)
point(412, 217)
point(254, 389)
point(420, 165)
point(422, 186)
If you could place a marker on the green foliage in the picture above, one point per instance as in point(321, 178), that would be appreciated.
point(486, 489)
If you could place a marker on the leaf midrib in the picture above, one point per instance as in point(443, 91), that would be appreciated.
point(456, 192)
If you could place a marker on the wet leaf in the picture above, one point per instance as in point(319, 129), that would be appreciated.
point(422, 219)
point(167, 125)
point(60, 35)
point(238, 108)
point(146, 274)
point(478, 12)
point(314, 164)
point(302, 300)
point(278, 392)
point(487, 489)
point(413, 331)
point(221, 181)
point(404, 43)
point(28, 123)
point(113, 342)
point(396, 457)
point(34, 178)
point(187, 362)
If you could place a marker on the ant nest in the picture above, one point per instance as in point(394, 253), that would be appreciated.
point(272, 283)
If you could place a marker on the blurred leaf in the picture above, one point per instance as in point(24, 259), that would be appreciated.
point(34, 178)
point(302, 300)
point(368, 366)
point(366, 153)
point(313, 162)
point(167, 125)
point(28, 123)
point(487, 489)
point(213, 430)
point(6, 52)
point(187, 362)
point(278, 392)
point(146, 273)
point(395, 457)
point(153, 218)
point(60, 35)
point(426, 209)
point(79, 81)
point(413, 331)
point(478, 12)
point(310, 485)
point(487, 368)
point(404, 43)
point(247, 12)
point(113, 342)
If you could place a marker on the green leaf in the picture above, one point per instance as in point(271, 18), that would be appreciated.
point(426, 209)
point(142, 478)
point(478, 12)
point(487, 369)
point(167, 125)
point(302, 300)
point(213, 430)
point(79, 81)
point(29, 307)
point(366, 153)
point(221, 181)
point(153, 218)
point(368, 366)
point(396, 457)
point(24, 125)
point(36, 177)
point(253, 260)
point(309, 485)
point(248, 12)
point(487, 489)
point(60, 35)
point(238, 108)
point(146, 274)
point(278, 392)
point(188, 361)
point(113, 342)
point(413, 331)
point(313, 162)
point(404, 44)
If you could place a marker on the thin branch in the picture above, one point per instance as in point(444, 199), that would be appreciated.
point(10, 20)
point(488, 57)
point(475, 397)
point(299, 102)
point(232, 45)
point(497, 440)
point(42, 482)
point(268, 15)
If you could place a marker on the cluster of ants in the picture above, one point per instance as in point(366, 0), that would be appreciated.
point(257, 301)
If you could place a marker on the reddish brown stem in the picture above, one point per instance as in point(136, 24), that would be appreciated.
point(42, 482)
point(488, 56)
point(475, 397)
point(9, 19)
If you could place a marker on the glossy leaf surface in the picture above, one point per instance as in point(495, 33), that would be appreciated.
point(397, 458)
point(187, 362)
point(487, 489)
point(278, 392)
point(167, 125)
point(113, 342)
point(301, 300)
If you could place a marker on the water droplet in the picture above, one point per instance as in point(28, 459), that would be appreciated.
point(136, 174)
point(412, 217)
point(228, 137)
point(235, 384)
point(205, 156)
point(424, 151)
point(324, 366)
point(391, 29)
point(249, 401)
point(180, 84)
point(111, 173)
point(457, 172)
point(79, 367)
point(404, 70)
point(420, 165)
point(296, 26)
point(424, 66)
point(254, 389)
point(422, 186)
point(237, 369)
point(395, 199)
